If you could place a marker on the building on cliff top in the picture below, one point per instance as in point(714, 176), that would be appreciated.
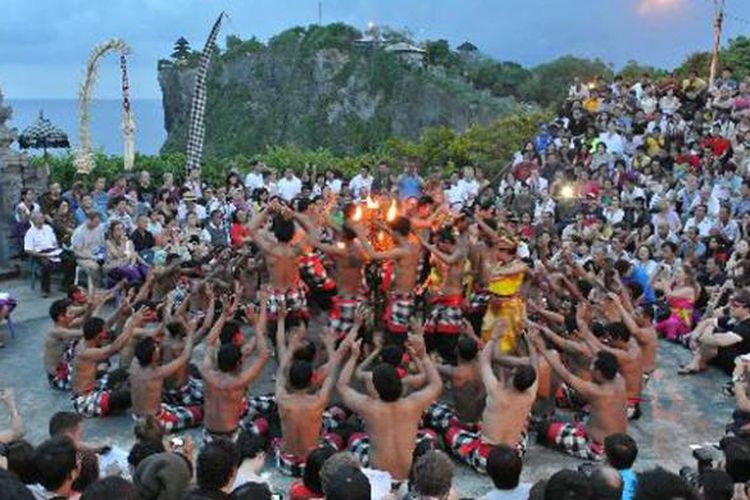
point(410, 54)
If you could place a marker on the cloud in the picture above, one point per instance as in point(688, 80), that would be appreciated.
point(44, 43)
point(648, 7)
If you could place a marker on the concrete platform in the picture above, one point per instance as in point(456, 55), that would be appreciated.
point(677, 411)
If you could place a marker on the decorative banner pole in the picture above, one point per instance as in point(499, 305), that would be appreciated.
point(84, 160)
point(197, 125)
point(128, 120)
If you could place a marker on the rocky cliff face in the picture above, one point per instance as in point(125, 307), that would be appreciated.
point(344, 98)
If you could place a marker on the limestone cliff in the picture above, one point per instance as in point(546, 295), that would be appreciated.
point(318, 87)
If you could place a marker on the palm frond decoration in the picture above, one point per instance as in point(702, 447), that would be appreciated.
point(84, 159)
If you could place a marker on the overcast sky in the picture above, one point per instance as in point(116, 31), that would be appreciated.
point(44, 43)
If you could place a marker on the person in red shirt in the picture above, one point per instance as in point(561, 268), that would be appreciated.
point(719, 145)
point(239, 234)
point(311, 487)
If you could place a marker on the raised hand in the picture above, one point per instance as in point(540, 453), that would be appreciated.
point(499, 329)
point(283, 311)
point(328, 338)
point(416, 345)
point(356, 349)
point(583, 314)
point(417, 328)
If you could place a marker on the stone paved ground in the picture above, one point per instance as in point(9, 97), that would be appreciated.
point(677, 411)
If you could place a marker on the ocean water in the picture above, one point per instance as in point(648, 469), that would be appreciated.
point(106, 115)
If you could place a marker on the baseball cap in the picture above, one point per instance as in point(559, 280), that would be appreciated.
point(348, 483)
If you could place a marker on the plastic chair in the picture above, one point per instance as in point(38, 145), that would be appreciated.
point(77, 278)
point(11, 328)
point(34, 271)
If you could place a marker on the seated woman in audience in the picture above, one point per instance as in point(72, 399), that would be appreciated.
point(681, 295)
point(63, 222)
point(122, 261)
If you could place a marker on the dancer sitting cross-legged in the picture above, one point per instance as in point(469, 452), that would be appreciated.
point(467, 388)
point(605, 393)
point(302, 405)
point(226, 384)
point(94, 394)
point(147, 376)
point(391, 421)
point(506, 411)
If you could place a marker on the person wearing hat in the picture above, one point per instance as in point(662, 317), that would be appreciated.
point(348, 483)
point(190, 204)
point(163, 476)
point(720, 348)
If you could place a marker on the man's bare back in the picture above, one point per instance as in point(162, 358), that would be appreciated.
point(146, 390)
point(392, 425)
point(223, 402)
point(468, 392)
point(608, 411)
point(300, 416)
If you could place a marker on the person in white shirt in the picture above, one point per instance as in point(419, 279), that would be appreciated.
point(545, 204)
point(578, 91)
point(254, 179)
point(194, 184)
point(41, 245)
point(726, 226)
point(647, 101)
point(289, 186)
point(453, 194)
point(700, 221)
point(252, 460)
point(333, 181)
point(613, 140)
point(669, 103)
point(614, 214)
point(188, 205)
point(706, 197)
point(88, 245)
point(536, 182)
point(504, 467)
point(468, 186)
point(361, 184)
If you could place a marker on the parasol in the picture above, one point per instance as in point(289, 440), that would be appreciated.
point(42, 135)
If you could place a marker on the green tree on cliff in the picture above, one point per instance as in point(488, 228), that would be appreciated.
point(181, 49)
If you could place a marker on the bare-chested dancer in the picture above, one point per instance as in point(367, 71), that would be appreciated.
point(282, 258)
point(312, 270)
point(181, 388)
point(479, 273)
point(445, 320)
point(405, 256)
point(465, 381)
point(147, 376)
point(640, 322)
point(349, 258)
point(306, 420)
point(95, 396)
point(605, 393)
point(506, 412)
point(627, 351)
point(391, 421)
point(225, 385)
point(410, 371)
point(66, 330)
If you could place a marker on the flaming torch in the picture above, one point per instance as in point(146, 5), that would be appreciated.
point(357, 214)
point(392, 212)
point(372, 204)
